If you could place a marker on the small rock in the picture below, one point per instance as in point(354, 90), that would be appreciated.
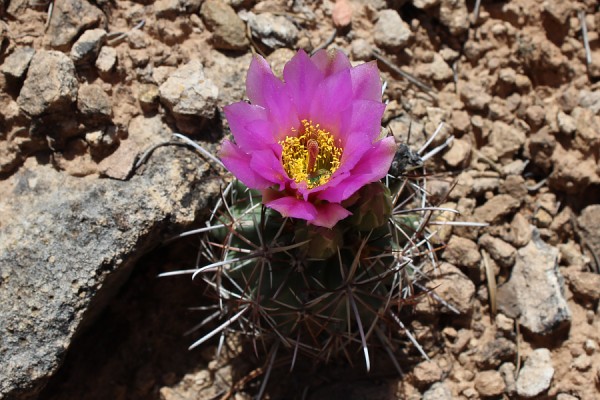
point(16, 64)
point(272, 30)
point(535, 115)
point(137, 39)
point(51, 84)
point(188, 94)
point(560, 11)
point(460, 121)
point(541, 148)
point(459, 153)
point(229, 31)
point(106, 61)
point(535, 289)
point(566, 396)
point(497, 208)
point(492, 354)
point(582, 362)
point(506, 139)
point(590, 99)
point(566, 123)
point(590, 346)
point(587, 126)
point(489, 384)
point(474, 96)
point(69, 19)
point(94, 103)
point(87, 47)
point(484, 185)
point(573, 172)
point(390, 31)
point(426, 373)
point(148, 97)
point(438, 391)
point(361, 50)
point(172, 8)
point(536, 375)
point(425, 4)
point(453, 287)
point(341, 14)
point(504, 324)
point(502, 252)
point(507, 370)
point(439, 70)
point(585, 284)
point(455, 15)
point(462, 252)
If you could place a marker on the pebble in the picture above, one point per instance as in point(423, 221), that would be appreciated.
point(460, 121)
point(228, 30)
point(69, 19)
point(426, 373)
point(590, 346)
point(172, 8)
point(474, 96)
point(504, 324)
point(87, 47)
point(534, 291)
point(455, 15)
point(536, 375)
point(585, 284)
point(93, 102)
point(361, 49)
point(272, 30)
point(459, 153)
point(503, 253)
point(507, 370)
point(589, 221)
point(425, 4)
point(148, 97)
point(493, 353)
point(106, 61)
point(438, 391)
point(439, 70)
point(489, 383)
point(506, 139)
point(453, 287)
point(51, 84)
point(390, 31)
point(496, 208)
point(566, 123)
point(16, 64)
point(462, 252)
point(189, 95)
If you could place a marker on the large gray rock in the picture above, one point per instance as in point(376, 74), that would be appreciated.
point(16, 64)
point(534, 292)
point(69, 19)
point(66, 246)
point(51, 84)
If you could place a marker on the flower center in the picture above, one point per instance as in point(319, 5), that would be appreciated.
point(312, 156)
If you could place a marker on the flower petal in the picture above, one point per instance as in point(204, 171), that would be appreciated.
point(238, 163)
point(331, 62)
point(266, 90)
point(373, 166)
point(365, 82)
point(249, 125)
point(331, 98)
point(292, 207)
point(301, 80)
point(268, 165)
point(329, 214)
point(363, 117)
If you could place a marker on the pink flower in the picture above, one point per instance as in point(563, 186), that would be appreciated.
point(310, 142)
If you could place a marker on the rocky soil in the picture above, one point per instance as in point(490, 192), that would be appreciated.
point(92, 182)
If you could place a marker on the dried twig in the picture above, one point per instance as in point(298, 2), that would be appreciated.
point(586, 42)
point(409, 77)
point(491, 280)
point(324, 45)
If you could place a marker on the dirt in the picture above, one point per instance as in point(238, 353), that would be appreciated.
point(512, 86)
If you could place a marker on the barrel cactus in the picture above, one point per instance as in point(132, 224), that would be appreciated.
point(317, 239)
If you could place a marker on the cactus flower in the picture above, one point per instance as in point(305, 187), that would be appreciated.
point(311, 141)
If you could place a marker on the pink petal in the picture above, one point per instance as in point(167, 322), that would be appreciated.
point(301, 80)
point(331, 62)
point(363, 117)
point(329, 214)
point(292, 207)
point(268, 165)
point(266, 90)
point(238, 163)
point(249, 125)
point(373, 166)
point(331, 98)
point(366, 84)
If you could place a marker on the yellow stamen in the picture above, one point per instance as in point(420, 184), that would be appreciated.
point(312, 156)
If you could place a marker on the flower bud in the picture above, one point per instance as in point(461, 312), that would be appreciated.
point(372, 207)
point(323, 243)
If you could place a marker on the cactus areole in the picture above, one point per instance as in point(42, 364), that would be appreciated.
point(311, 141)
